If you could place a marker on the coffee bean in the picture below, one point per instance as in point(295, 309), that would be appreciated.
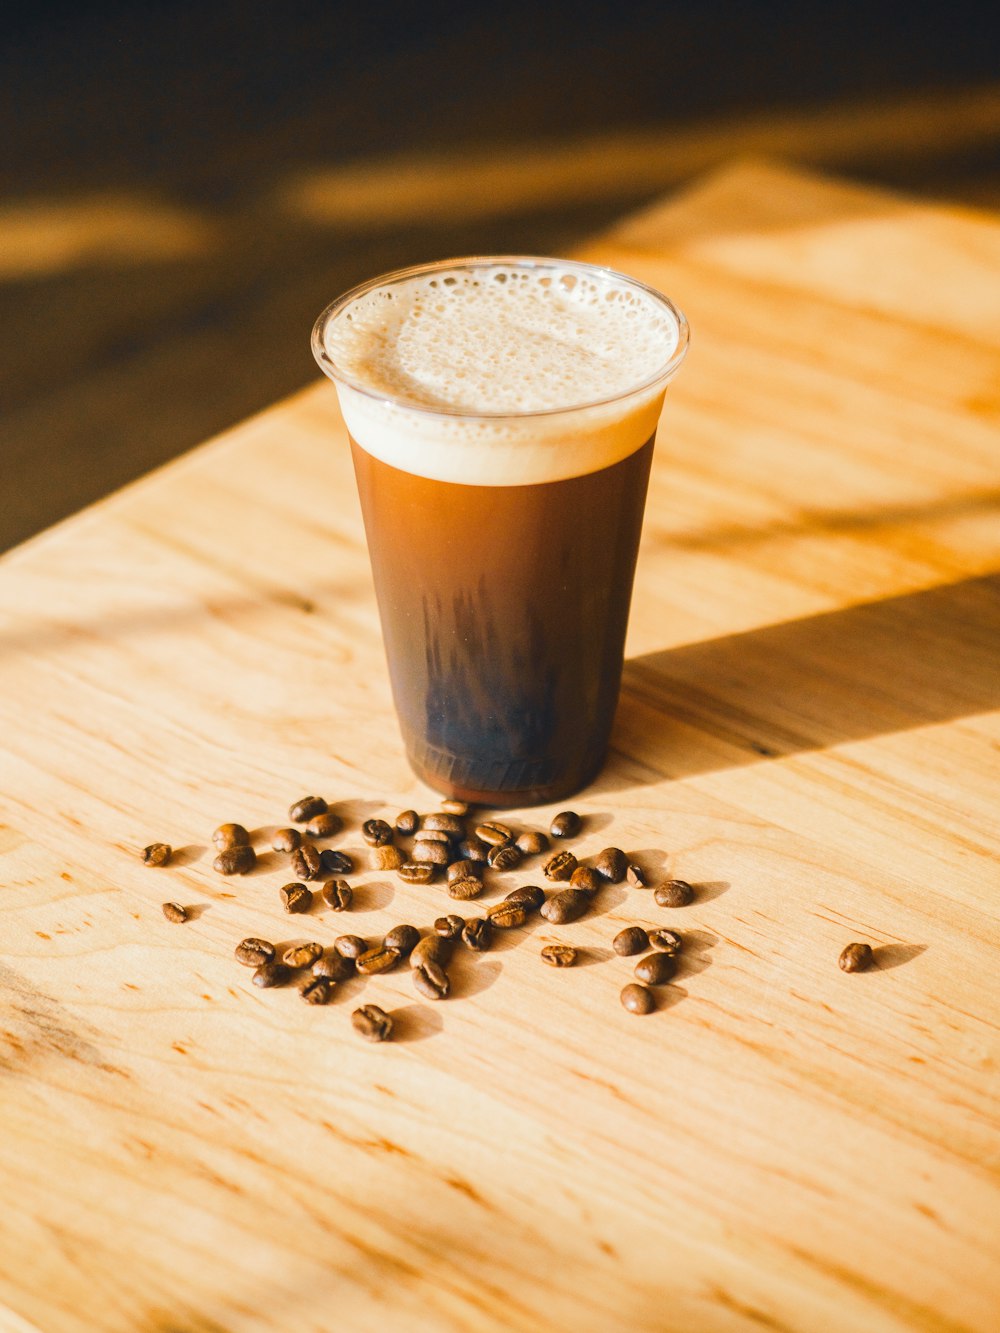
point(633, 939)
point(478, 934)
point(430, 853)
point(637, 999)
point(230, 835)
point(286, 840)
point(465, 870)
point(408, 822)
point(335, 863)
point(270, 974)
point(565, 825)
point(304, 810)
point(432, 835)
point(373, 1023)
point(302, 955)
point(433, 949)
point(473, 849)
point(565, 906)
point(585, 879)
point(533, 844)
point(505, 857)
point(529, 896)
point(379, 959)
point(338, 894)
point(175, 912)
point(386, 858)
point(157, 854)
point(449, 927)
point(560, 866)
point(455, 807)
point(324, 825)
point(296, 898)
point(494, 834)
point(315, 990)
point(857, 958)
point(450, 824)
point(376, 832)
point(634, 876)
point(506, 915)
point(431, 980)
point(235, 861)
point(334, 967)
point(611, 864)
point(412, 872)
point(674, 893)
point(655, 969)
point(306, 862)
point(667, 941)
point(559, 955)
point(464, 889)
point(252, 951)
point(403, 939)
point(350, 946)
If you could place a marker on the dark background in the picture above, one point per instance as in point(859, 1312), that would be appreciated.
point(155, 283)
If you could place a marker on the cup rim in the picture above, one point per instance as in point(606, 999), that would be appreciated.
point(333, 372)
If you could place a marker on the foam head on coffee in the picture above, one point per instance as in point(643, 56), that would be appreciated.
point(476, 374)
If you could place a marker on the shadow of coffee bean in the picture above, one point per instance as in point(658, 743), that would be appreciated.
point(707, 889)
point(189, 854)
point(896, 955)
point(415, 1022)
point(370, 897)
point(470, 974)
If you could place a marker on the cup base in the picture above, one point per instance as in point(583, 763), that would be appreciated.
point(506, 797)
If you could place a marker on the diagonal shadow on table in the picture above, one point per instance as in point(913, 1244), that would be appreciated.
point(870, 670)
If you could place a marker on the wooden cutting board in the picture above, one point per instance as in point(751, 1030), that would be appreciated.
point(809, 731)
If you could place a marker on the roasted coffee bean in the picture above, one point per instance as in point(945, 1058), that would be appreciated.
point(667, 941)
point(376, 832)
point(413, 872)
point(407, 822)
point(306, 862)
point(386, 858)
point(464, 889)
point(235, 861)
point(450, 824)
point(230, 835)
point(560, 866)
point(338, 894)
point(857, 958)
point(529, 896)
point(465, 870)
point(565, 825)
point(611, 864)
point(533, 844)
point(633, 939)
point(675, 893)
point(505, 857)
point(304, 810)
point(478, 934)
point(315, 990)
point(455, 807)
point(585, 879)
point(302, 955)
point(252, 951)
point(634, 876)
point(473, 849)
point(494, 834)
point(430, 853)
point(403, 939)
point(334, 967)
point(324, 825)
point(506, 915)
point(157, 854)
point(655, 969)
point(350, 946)
point(286, 840)
point(335, 863)
point(296, 898)
point(175, 912)
point(559, 955)
point(449, 927)
point(431, 980)
point(432, 835)
point(432, 949)
point(637, 999)
point(379, 959)
point(270, 974)
point(373, 1023)
point(565, 906)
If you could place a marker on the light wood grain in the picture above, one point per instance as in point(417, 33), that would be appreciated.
point(808, 729)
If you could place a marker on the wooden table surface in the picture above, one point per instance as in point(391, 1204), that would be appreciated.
point(809, 730)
